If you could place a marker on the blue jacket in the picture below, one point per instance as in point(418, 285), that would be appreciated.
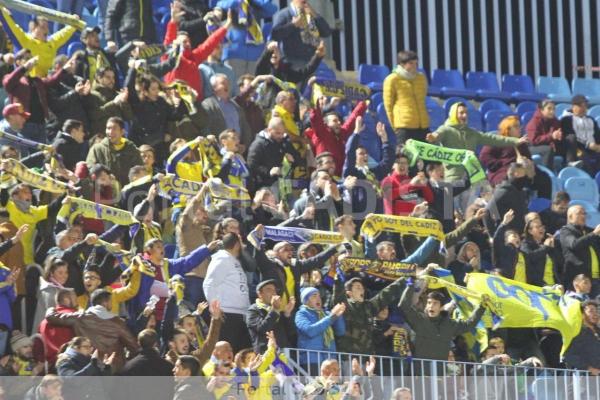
point(7, 296)
point(177, 266)
point(310, 333)
point(289, 36)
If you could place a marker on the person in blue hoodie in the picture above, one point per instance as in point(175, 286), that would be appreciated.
point(317, 328)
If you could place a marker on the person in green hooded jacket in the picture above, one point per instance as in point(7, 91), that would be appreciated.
point(456, 134)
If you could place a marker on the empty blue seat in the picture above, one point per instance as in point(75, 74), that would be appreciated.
point(539, 204)
point(555, 88)
point(493, 104)
point(382, 115)
point(324, 72)
point(448, 103)
point(475, 120)
point(572, 172)
point(526, 106)
point(520, 88)
point(437, 117)
point(592, 219)
point(525, 118)
point(73, 47)
point(376, 100)
point(430, 102)
point(485, 86)
point(584, 189)
point(561, 108)
point(594, 112)
point(373, 75)
point(590, 88)
point(449, 83)
point(493, 117)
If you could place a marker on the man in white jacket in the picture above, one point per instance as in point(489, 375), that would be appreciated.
point(226, 282)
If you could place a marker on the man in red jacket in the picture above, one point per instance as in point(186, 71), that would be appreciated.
point(401, 192)
point(55, 336)
point(328, 134)
point(189, 60)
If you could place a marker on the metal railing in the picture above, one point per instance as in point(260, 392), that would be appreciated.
point(431, 379)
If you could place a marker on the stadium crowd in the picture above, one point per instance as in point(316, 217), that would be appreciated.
point(186, 284)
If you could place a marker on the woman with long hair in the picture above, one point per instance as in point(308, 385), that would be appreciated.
point(497, 159)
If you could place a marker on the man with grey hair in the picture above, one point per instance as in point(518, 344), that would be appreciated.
point(266, 153)
point(222, 112)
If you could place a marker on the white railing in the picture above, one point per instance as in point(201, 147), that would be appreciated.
point(429, 379)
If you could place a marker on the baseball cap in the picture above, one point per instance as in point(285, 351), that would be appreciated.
point(90, 29)
point(15, 109)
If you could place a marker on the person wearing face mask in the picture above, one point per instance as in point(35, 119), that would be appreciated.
point(497, 159)
point(509, 195)
point(456, 134)
point(581, 249)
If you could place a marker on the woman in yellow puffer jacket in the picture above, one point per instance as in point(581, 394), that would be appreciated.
point(404, 92)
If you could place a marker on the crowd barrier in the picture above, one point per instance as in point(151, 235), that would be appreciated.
point(446, 380)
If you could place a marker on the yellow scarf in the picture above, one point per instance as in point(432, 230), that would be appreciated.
point(288, 120)
point(328, 336)
point(119, 146)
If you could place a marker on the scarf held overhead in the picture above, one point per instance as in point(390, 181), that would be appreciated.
point(388, 270)
point(295, 235)
point(34, 179)
point(88, 209)
point(429, 152)
point(374, 224)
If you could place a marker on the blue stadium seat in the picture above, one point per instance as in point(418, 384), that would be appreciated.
point(450, 83)
point(372, 75)
point(437, 117)
point(430, 102)
point(475, 120)
point(376, 100)
point(448, 103)
point(493, 104)
point(485, 86)
point(520, 88)
point(561, 108)
point(594, 112)
point(493, 117)
point(584, 189)
point(382, 115)
point(597, 121)
point(73, 47)
point(556, 186)
point(590, 88)
point(539, 204)
point(324, 72)
point(525, 106)
point(592, 219)
point(572, 172)
point(525, 118)
point(555, 88)
point(597, 179)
